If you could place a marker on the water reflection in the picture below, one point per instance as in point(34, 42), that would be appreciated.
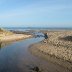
point(3, 44)
point(36, 35)
point(16, 57)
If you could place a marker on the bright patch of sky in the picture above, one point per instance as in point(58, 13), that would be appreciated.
point(36, 13)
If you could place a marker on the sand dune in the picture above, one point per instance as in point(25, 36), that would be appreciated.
point(10, 36)
point(14, 37)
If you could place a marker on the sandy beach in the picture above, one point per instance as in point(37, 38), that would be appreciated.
point(57, 48)
point(6, 36)
point(14, 37)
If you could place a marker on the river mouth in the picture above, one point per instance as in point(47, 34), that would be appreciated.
point(16, 57)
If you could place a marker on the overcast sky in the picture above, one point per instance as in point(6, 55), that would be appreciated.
point(36, 13)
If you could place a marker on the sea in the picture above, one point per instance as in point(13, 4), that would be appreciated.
point(37, 28)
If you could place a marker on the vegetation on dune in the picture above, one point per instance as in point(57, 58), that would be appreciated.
point(4, 32)
point(67, 38)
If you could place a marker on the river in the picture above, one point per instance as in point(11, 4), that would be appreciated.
point(15, 57)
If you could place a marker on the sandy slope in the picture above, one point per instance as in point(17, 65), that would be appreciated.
point(14, 37)
point(56, 46)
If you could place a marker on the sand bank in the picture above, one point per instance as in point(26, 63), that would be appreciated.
point(58, 45)
point(13, 37)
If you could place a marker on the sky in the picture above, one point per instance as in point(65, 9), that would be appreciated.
point(35, 13)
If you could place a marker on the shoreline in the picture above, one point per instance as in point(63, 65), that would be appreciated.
point(56, 50)
point(50, 58)
point(8, 36)
point(14, 37)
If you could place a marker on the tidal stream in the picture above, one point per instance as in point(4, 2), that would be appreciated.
point(15, 57)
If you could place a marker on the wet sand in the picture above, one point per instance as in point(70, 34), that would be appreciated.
point(57, 48)
point(19, 59)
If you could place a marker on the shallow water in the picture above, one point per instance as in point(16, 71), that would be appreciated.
point(15, 57)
